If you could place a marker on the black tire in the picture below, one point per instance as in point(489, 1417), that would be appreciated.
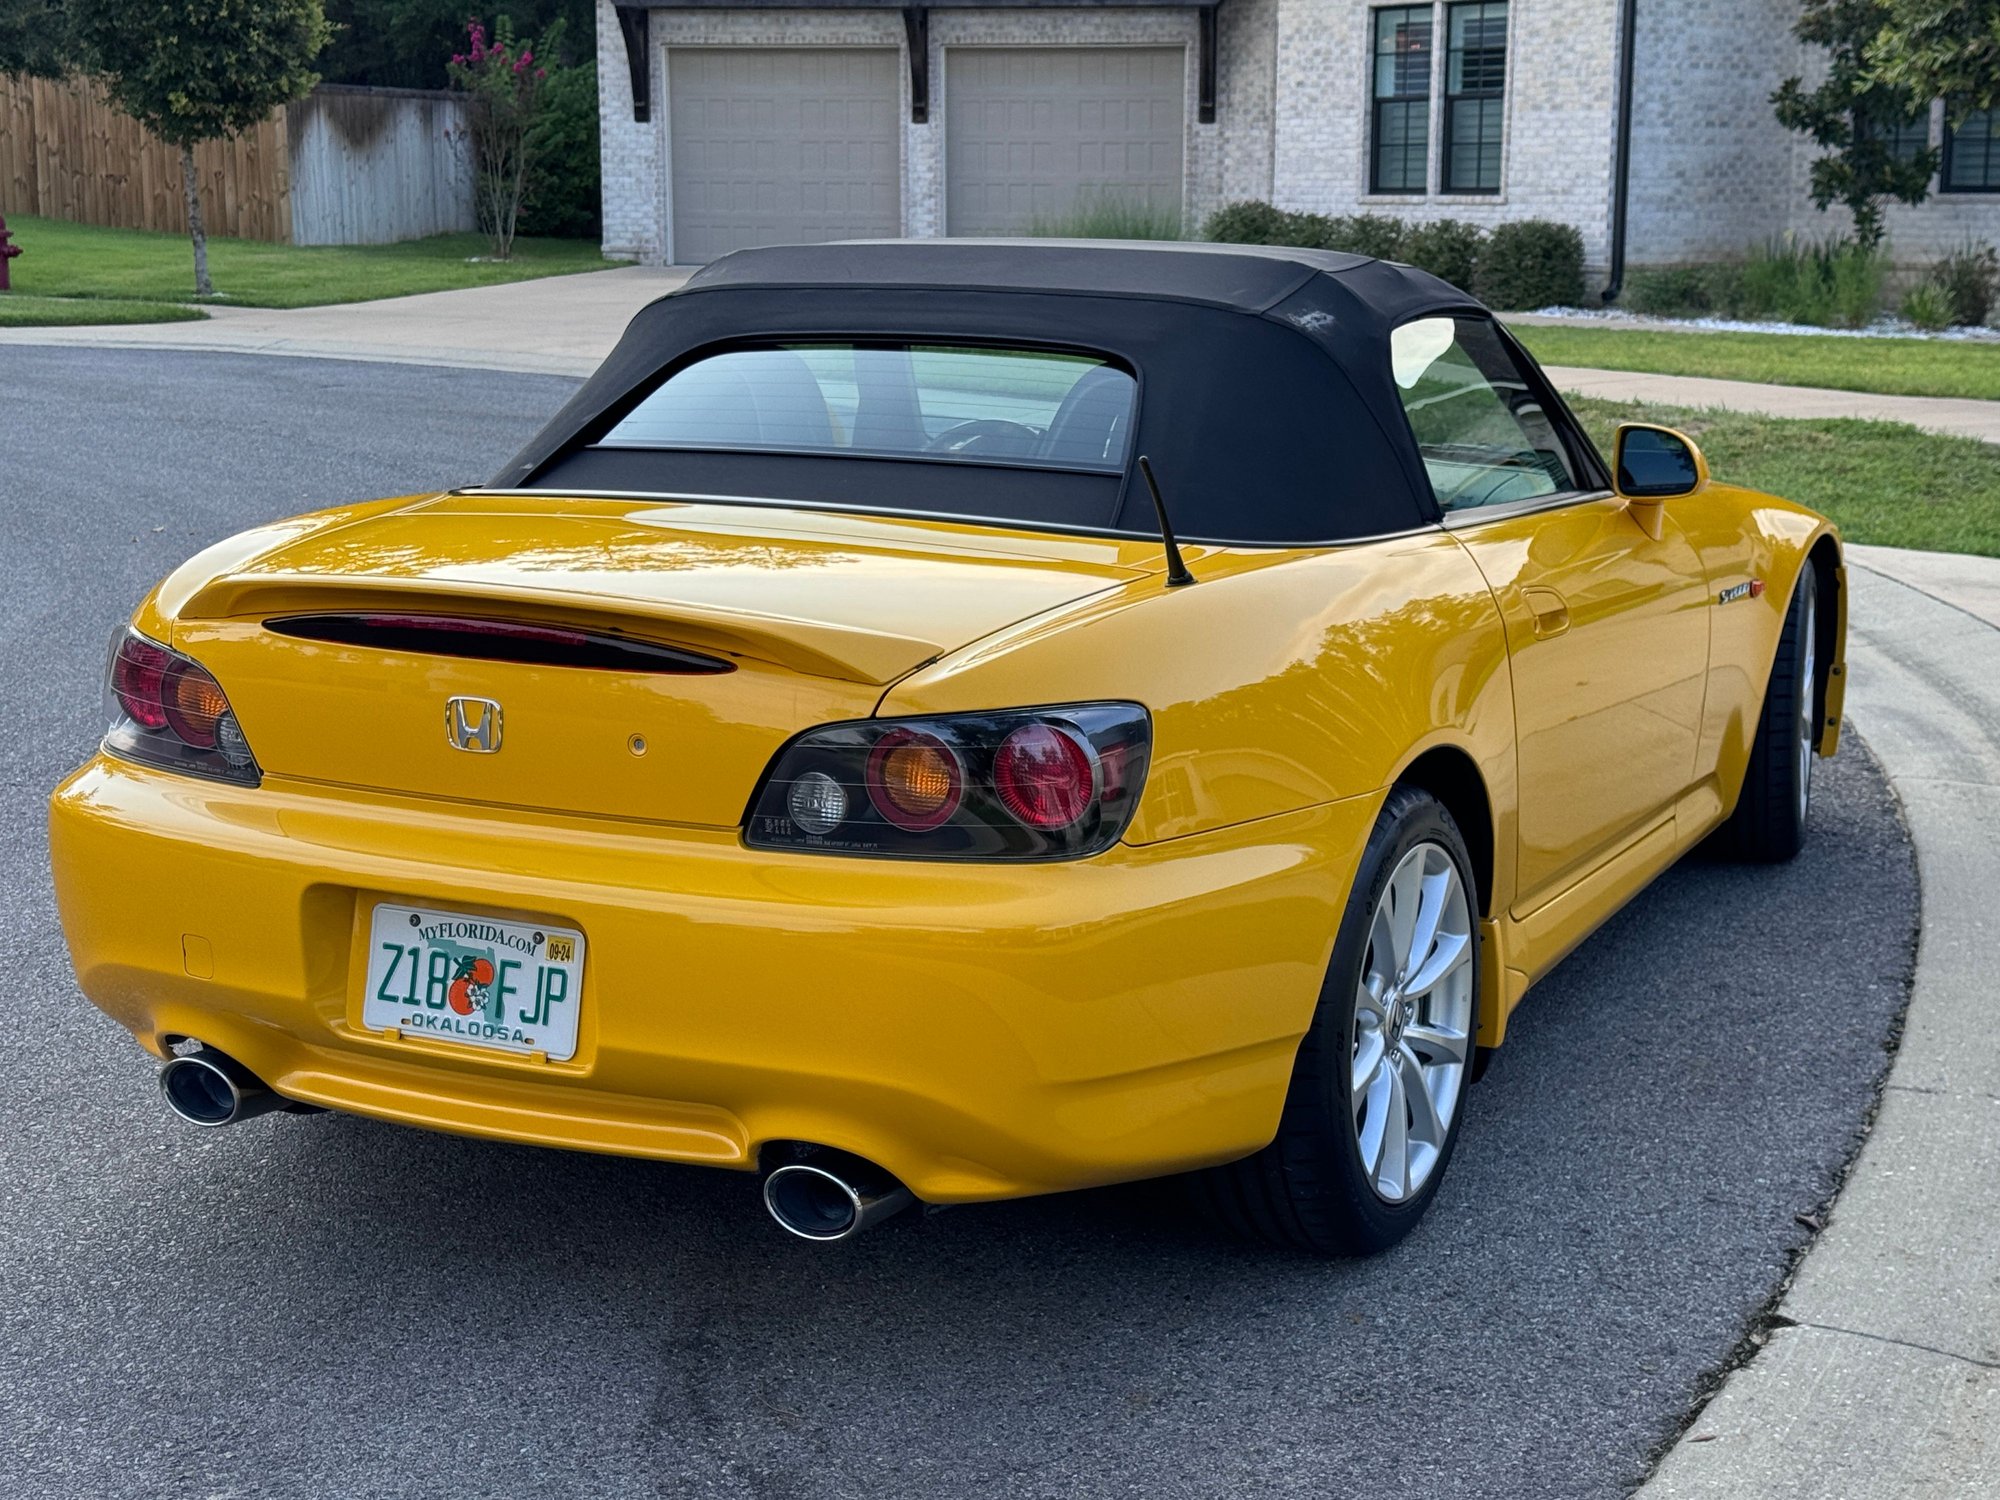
point(1308, 1189)
point(1769, 823)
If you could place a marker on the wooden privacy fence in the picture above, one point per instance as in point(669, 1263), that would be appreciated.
point(343, 166)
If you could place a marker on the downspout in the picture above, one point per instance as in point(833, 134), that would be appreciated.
point(1621, 187)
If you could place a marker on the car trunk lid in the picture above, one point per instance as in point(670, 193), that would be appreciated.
point(764, 623)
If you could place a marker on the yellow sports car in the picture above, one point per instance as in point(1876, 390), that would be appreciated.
point(946, 721)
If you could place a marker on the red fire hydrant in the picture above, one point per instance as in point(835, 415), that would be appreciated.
point(7, 252)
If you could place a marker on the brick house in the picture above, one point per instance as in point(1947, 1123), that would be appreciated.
point(735, 122)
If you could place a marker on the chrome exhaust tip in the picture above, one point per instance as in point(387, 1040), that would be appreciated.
point(833, 1199)
point(210, 1088)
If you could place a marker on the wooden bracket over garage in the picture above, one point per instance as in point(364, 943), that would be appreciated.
point(635, 24)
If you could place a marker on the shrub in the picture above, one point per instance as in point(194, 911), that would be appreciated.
point(565, 196)
point(1531, 264)
point(1669, 292)
point(1246, 224)
point(1827, 283)
point(1449, 249)
point(1724, 284)
point(1106, 214)
point(1928, 305)
point(1261, 224)
point(1970, 278)
point(1305, 232)
point(1376, 235)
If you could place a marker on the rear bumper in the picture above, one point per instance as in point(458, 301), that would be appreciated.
point(982, 1031)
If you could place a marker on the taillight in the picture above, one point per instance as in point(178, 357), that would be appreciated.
point(1041, 783)
point(168, 710)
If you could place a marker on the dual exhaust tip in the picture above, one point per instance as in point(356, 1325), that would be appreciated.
point(832, 1197)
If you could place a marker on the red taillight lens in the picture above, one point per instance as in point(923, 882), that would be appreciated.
point(168, 710)
point(1043, 776)
point(1060, 782)
point(914, 780)
point(138, 678)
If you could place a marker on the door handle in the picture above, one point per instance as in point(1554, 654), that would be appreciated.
point(1550, 611)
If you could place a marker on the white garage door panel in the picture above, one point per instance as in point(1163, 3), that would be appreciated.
point(780, 145)
point(1030, 131)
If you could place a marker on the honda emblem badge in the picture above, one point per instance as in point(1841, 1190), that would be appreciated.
point(472, 724)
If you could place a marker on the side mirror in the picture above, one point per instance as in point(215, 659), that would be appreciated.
point(1652, 465)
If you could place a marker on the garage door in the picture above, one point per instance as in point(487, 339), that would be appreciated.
point(778, 145)
point(1031, 132)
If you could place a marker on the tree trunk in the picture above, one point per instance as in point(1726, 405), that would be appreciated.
point(203, 287)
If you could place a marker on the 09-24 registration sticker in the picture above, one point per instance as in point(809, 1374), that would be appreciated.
point(504, 986)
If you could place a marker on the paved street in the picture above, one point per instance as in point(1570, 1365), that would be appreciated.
point(330, 1306)
point(563, 325)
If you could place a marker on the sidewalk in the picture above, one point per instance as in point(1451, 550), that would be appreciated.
point(1948, 414)
point(556, 325)
point(563, 325)
point(1883, 1376)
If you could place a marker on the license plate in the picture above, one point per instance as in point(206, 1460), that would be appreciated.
point(507, 986)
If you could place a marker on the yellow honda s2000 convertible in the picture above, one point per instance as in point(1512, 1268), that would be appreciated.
point(815, 755)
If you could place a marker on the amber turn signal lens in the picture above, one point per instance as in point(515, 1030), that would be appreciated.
point(194, 702)
point(913, 779)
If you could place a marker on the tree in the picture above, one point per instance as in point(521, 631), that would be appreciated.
point(200, 70)
point(1855, 114)
point(505, 87)
point(1948, 49)
point(35, 38)
point(404, 43)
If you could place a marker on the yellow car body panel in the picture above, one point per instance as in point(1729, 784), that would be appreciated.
point(980, 1030)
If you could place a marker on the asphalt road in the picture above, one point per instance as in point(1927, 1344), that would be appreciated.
point(328, 1306)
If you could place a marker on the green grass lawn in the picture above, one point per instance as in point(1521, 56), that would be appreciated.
point(1882, 482)
point(1892, 367)
point(18, 311)
point(129, 265)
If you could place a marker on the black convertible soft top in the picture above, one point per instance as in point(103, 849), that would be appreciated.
point(1266, 402)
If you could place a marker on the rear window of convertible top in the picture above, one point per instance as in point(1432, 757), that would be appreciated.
point(1027, 407)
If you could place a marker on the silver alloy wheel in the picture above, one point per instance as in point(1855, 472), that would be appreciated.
point(1808, 704)
point(1412, 1022)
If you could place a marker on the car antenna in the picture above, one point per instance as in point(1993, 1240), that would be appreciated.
point(1177, 570)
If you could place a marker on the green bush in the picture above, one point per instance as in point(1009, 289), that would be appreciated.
point(1970, 278)
point(1374, 235)
point(1531, 264)
point(1669, 292)
point(1305, 232)
point(1449, 249)
point(564, 199)
point(1107, 214)
point(1261, 224)
point(1247, 224)
point(1826, 283)
point(1724, 283)
point(1929, 306)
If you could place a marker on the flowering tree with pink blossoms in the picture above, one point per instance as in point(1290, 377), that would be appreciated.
point(504, 83)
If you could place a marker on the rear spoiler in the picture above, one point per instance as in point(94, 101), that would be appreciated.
point(812, 647)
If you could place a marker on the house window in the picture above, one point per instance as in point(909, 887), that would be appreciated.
point(1906, 139)
point(1972, 153)
point(1474, 88)
point(1402, 99)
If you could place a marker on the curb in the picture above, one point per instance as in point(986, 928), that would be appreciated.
point(1882, 1375)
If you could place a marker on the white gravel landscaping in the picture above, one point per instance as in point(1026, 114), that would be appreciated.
point(1881, 328)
